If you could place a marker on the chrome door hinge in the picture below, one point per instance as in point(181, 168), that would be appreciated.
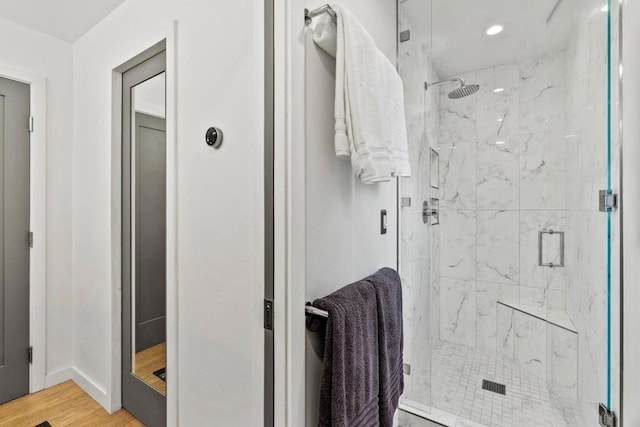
point(268, 315)
point(608, 200)
point(606, 416)
point(30, 354)
point(30, 123)
point(31, 239)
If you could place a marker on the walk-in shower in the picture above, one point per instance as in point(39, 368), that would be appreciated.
point(509, 297)
point(457, 93)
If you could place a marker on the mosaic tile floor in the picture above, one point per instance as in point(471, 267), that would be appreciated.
point(457, 374)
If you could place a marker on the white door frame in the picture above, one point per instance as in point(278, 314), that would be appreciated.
point(166, 33)
point(38, 222)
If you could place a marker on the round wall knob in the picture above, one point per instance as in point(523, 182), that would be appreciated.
point(214, 137)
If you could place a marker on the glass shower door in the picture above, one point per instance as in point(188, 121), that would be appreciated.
point(508, 259)
point(417, 234)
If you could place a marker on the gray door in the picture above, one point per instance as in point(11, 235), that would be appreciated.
point(14, 232)
point(144, 245)
point(151, 219)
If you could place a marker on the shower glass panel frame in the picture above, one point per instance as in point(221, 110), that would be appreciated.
point(518, 282)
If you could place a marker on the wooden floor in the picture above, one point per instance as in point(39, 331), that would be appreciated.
point(150, 360)
point(63, 405)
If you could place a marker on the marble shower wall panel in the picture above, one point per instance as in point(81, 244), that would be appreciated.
point(586, 141)
point(497, 103)
point(489, 321)
point(457, 116)
point(562, 354)
point(530, 343)
point(458, 175)
point(498, 239)
point(458, 244)
point(542, 93)
point(505, 331)
point(435, 283)
point(416, 238)
point(503, 179)
point(458, 315)
point(497, 177)
point(417, 321)
point(543, 171)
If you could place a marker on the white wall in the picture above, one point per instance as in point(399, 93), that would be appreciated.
point(39, 54)
point(220, 202)
point(342, 219)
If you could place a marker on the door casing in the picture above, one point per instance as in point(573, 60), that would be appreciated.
point(163, 38)
point(142, 400)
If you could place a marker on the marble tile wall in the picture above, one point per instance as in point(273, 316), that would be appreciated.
point(586, 165)
point(503, 173)
point(528, 152)
point(419, 242)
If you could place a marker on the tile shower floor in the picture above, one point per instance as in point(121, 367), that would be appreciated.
point(457, 374)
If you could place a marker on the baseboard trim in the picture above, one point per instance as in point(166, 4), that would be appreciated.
point(59, 376)
point(93, 390)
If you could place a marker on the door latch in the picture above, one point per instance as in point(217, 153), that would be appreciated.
point(268, 315)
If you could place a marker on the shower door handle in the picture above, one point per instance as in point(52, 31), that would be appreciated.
point(541, 258)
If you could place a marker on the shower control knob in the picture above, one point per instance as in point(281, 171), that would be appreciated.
point(214, 137)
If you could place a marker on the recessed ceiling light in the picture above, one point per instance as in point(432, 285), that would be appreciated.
point(499, 142)
point(500, 120)
point(605, 8)
point(498, 90)
point(494, 29)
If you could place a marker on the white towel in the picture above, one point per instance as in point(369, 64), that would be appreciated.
point(370, 125)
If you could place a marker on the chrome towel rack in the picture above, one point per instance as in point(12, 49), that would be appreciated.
point(310, 14)
point(313, 311)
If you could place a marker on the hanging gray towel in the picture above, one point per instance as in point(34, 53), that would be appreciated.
point(362, 377)
point(349, 386)
point(388, 288)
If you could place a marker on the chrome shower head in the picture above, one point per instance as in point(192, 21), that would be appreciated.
point(461, 92)
point(464, 90)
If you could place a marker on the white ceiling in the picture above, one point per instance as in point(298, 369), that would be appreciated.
point(459, 42)
point(65, 19)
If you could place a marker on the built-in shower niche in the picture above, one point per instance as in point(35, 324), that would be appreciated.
point(542, 342)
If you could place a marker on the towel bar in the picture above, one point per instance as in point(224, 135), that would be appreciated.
point(309, 15)
point(313, 311)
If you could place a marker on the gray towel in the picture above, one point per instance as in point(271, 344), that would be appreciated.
point(349, 386)
point(362, 377)
point(388, 288)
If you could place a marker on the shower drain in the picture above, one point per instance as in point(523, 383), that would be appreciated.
point(494, 387)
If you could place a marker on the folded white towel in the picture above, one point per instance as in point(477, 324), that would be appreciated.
point(370, 125)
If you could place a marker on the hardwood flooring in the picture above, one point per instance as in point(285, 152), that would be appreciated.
point(62, 405)
point(150, 360)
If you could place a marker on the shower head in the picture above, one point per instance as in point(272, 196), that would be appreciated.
point(464, 90)
point(461, 92)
